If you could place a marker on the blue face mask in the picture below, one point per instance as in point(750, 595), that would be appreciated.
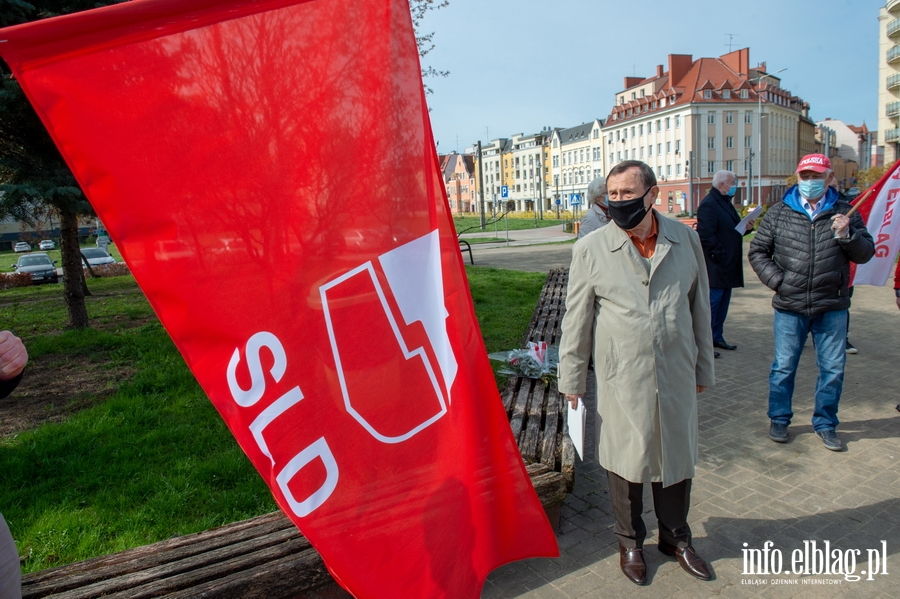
point(732, 190)
point(812, 189)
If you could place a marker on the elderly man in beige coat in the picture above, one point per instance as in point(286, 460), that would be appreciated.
point(638, 298)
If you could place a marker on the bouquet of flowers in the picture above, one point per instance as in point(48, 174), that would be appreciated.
point(537, 361)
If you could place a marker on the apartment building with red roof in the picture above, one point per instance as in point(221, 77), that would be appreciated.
point(459, 180)
point(700, 116)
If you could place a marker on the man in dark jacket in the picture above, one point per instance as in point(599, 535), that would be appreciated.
point(802, 251)
point(13, 358)
point(722, 249)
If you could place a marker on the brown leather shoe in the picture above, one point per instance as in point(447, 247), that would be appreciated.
point(690, 562)
point(632, 563)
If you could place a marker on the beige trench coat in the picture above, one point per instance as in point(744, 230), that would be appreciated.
point(652, 343)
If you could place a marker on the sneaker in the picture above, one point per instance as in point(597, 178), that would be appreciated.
point(778, 432)
point(830, 439)
point(850, 349)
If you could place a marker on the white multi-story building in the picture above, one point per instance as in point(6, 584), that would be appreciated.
point(576, 158)
point(526, 186)
point(706, 111)
point(889, 80)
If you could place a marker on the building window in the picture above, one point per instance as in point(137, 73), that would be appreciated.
point(617, 135)
point(653, 105)
point(729, 118)
point(611, 157)
point(649, 127)
point(677, 146)
point(633, 95)
point(619, 155)
point(668, 147)
point(729, 165)
point(632, 130)
point(658, 149)
point(726, 93)
point(677, 121)
point(642, 151)
point(658, 125)
point(744, 94)
point(746, 141)
point(729, 142)
point(711, 118)
point(556, 162)
point(649, 150)
point(748, 117)
point(678, 168)
point(667, 123)
point(711, 143)
point(668, 170)
point(626, 154)
point(711, 167)
point(625, 133)
point(707, 93)
point(641, 129)
point(659, 171)
point(621, 100)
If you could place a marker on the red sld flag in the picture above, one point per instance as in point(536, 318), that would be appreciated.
point(267, 170)
point(880, 209)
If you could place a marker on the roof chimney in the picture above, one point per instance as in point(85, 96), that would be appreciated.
point(679, 65)
point(659, 70)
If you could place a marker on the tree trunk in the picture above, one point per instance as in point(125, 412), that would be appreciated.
point(73, 275)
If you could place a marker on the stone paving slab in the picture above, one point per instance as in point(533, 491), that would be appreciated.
point(749, 489)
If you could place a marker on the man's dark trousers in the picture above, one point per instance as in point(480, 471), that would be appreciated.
point(718, 304)
point(671, 505)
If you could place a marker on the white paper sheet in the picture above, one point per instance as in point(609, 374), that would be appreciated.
point(577, 419)
point(741, 227)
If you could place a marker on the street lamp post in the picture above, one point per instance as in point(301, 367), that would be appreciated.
point(759, 133)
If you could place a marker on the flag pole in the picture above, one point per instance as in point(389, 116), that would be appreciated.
point(877, 185)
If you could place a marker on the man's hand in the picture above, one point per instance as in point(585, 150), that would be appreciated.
point(749, 227)
point(13, 356)
point(701, 389)
point(573, 400)
point(840, 224)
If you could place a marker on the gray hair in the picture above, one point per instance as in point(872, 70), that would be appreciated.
point(596, 191)
point(721, 176)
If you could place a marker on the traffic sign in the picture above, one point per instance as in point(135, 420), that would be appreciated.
point(558, 201)
point(575, 199)
point(504, 191)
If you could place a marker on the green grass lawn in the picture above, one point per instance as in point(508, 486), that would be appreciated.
point(472, 224)
point(151, 458)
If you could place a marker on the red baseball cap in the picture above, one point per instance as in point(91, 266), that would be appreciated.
point(814, 162)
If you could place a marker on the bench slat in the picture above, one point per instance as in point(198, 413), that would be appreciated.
point(530, 446)
point(553, 425)
point(156, 555)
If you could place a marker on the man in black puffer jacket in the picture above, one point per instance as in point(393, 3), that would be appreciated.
point(802, 251)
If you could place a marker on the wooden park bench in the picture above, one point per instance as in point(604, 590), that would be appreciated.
point(268, 558)
point(537, 411)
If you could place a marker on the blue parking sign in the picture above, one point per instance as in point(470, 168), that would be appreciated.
point(504, 191)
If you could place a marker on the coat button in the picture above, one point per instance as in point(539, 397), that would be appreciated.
point(645, 282)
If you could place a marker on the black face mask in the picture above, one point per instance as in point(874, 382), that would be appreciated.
point(628, 213)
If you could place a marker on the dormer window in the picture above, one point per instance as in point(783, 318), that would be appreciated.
point(744, 94)
point(707, 93)
point(726, 93)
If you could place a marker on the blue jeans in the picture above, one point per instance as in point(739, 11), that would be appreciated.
point(718, 305)
point(829, 333)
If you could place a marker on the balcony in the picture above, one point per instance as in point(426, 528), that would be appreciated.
point(893, 6)
point(892, 109)
point(892, 135)
point(893, 55)
point(893, 82)
point(893, 28)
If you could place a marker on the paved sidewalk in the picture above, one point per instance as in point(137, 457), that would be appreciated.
point(749, 489)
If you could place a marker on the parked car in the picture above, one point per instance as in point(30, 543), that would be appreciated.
point(22, 247)
point(97, 256)
point(47, 244)
point(41, 268)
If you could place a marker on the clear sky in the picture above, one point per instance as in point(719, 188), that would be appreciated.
point(517, 66)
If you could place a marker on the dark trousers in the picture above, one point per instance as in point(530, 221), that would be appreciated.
point(718, 306)
point(671, 505)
